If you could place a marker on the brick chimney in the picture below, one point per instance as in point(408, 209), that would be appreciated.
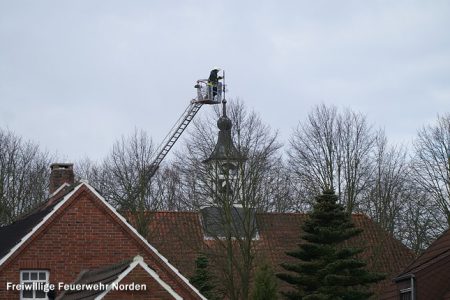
point(60, 173)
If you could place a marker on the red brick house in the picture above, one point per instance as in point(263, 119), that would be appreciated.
point(427, 277)
point(76, 237)
point(76, 230)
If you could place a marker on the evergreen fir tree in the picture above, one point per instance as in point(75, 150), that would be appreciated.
point(202, 278)
point(328, 269)
point(265, 284)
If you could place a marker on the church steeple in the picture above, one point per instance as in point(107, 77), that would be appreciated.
point(225, 151)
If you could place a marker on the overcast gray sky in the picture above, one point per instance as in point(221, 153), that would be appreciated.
point(76, 75)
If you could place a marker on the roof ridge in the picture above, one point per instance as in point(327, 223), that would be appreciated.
point(413, 265)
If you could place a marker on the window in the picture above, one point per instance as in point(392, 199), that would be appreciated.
point(406, 294)
point(406, 287)
point(33, 282)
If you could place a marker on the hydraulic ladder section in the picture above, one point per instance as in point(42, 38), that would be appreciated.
point(173, 135)
point(205, 95)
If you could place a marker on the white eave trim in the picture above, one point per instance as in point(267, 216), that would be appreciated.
point(36, 228)
point(59, 189)
point(138, 260)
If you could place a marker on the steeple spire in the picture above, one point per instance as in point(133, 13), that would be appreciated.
point(224, 150)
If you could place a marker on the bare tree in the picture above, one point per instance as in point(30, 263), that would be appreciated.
point(332, 150)
point(431, 162)
point(277, 192)
point(313, 150)
point(355, 145)
point(386, 192)
point(123, 178)
point(420, 222)
point(24, 176)
point(167, 188)
point(92, 171)
point(125, 169)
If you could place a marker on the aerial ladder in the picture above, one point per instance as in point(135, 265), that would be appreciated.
point(205, 95)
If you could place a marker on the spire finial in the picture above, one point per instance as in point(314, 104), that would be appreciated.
point(224, 107)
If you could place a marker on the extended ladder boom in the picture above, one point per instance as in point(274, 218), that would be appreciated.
point(173, 135)
point(205, 95)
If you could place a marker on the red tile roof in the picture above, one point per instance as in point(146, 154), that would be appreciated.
point(179, 237)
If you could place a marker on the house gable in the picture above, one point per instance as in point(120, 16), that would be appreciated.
point(140, 276)
point(83, 232)
point(140, 272)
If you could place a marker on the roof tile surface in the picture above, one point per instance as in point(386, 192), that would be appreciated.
point(179, 237)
